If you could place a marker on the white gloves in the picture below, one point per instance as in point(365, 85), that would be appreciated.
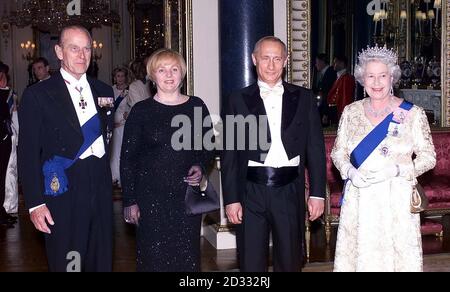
point(388, 171)
point(357, 178)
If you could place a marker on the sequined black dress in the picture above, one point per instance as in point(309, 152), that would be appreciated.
point(152, 176)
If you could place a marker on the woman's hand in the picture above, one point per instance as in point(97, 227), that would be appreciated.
point(195, 176)
point(132, 214)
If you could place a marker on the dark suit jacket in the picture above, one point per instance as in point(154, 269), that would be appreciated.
point(301, 133)
point(49, 126)
point(324, 86)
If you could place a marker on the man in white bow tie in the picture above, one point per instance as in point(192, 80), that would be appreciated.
point(265, 191)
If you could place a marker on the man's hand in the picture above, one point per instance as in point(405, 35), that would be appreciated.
point(132, 214)
point(315, 208)
point(234, 213)
point(195, 176)
point(39, 217)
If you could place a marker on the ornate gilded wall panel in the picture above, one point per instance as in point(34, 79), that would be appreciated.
point(299, 16)
point(446, 64)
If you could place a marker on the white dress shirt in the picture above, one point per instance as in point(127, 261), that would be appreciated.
point(98, 147)
point(273, 103)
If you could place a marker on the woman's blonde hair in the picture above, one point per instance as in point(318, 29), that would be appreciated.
point(161, 56)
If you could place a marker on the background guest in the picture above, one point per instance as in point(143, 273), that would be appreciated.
point(122, 109)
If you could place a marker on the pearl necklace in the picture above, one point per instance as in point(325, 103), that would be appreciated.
point(381, 112)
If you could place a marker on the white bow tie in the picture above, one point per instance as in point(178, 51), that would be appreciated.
point(267, 92)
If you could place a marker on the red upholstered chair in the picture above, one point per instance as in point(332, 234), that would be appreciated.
point(436, 182)
point(334, 189)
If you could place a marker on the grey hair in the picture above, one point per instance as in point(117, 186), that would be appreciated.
point(73, 27)
point(270, 39)
point(376, 54)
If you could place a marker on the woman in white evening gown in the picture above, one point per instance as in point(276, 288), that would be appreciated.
point(122, 109)
point(374, 148)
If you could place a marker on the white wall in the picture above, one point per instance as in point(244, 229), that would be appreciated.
point(280, 19)
point(206, 53)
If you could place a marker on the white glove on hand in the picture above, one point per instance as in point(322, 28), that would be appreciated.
point(387, 172)
point(357, 178)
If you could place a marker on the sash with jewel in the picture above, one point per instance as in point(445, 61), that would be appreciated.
point(55, 178)
point(374, 139)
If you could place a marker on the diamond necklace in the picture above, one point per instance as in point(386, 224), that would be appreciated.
point(381, 112)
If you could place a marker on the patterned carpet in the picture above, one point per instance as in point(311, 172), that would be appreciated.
point(432, 263)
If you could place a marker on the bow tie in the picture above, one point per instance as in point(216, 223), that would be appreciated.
point(275, 91)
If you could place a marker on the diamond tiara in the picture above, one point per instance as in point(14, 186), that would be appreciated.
point(378, 53)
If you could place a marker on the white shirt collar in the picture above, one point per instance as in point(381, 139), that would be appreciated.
point(72, 80)
point(265, 85)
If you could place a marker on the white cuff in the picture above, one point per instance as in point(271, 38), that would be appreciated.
point(34, 208)
point(317, 198)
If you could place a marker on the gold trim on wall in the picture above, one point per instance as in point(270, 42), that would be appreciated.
point(189, 48)
point(185, 34)
point(446, 64)
point(299, 42)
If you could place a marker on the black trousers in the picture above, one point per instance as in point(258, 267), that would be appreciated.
point(5, 152)
point(276, 210)
point(82, 237)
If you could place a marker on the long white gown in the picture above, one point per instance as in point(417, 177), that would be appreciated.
point(11, 181)
point(119, 123)
point(377, 231)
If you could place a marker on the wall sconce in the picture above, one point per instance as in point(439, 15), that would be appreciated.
point(97, 52)
point(28, 50)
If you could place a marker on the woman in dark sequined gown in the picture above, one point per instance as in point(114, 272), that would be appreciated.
point(155, 175)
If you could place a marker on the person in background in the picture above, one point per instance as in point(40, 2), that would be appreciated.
point(156, 173)
point(343, 91)
point(41, 69)
point(121, 110)
point(8, 139)
point(324, 80)
point(139, 88)
point(374, 149)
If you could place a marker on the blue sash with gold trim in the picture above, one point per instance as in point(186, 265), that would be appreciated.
point(55, 178)
point(373, 140)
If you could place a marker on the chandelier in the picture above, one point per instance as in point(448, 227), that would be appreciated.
point(53, 15)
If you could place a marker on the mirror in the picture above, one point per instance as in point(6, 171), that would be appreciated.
point(157, 24)
point(416, 29)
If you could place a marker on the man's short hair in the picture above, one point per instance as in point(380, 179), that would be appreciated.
point(73, 27)
point(342, 58)
point(4, 68)
point(270, 39)
point(40, 60)
point(323, 57)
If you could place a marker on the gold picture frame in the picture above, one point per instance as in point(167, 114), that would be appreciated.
point(176, 31)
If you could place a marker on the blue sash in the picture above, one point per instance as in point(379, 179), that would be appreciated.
point(372, 141)
point(118, 101)
point(55, 178)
